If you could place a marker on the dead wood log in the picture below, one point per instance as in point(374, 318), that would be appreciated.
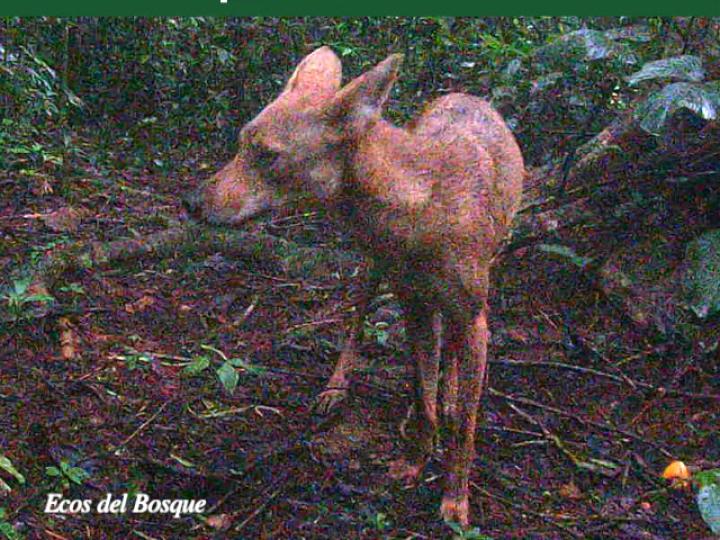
point(188, 240)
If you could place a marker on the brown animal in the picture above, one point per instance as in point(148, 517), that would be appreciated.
point(430, 204)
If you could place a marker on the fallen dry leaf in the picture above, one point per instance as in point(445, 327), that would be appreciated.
point(140, 304)
point(68, 339)
point(220, 522)
point(570, 491)
point(41, 186)
point(65, 219)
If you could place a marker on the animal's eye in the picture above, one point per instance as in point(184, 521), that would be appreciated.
point(265, 157)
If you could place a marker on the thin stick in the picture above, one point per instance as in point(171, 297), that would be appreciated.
point(552, 520)
point(586, 421)
point(258, 509)
point(142, 426)
point(617, 378)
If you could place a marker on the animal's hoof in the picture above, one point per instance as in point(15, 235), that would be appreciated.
point(405, 471)
point(456, 509)
point(328, 399)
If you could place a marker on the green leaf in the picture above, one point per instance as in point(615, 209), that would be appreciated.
point(702, 100)
point(7, 466)
point(708, 498)
point(228, 377)
point(580, 47)
point(21, 286)
point(223, 55)
point(244, 364)
point(8, 531)
point(567, 253)
point(43, 298)
point(680, 68)
point(470, 534)
point(198, 365)
point(76, 475)
point(52, 471)
point(708, 477)
point(73, 288)
point(701, 281)
point(73, 99)
point(637, 33)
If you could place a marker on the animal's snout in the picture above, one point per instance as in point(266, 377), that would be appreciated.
point(192, 201)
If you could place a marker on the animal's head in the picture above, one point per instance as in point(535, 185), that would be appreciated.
point(300, 142)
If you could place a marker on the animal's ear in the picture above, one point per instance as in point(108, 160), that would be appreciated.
point(319, 74)
point(362, 99)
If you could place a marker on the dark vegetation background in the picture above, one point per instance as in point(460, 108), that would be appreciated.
point(194, 377)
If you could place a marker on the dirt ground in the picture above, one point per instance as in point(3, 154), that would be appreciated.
point(561, 453)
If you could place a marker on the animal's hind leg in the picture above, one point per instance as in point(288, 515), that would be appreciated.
point(421, 329)
point(470, 338)
point(451, 350)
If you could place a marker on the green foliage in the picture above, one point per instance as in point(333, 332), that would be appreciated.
point(151, 87)
point(67, 474)
point(228, 376)
point(469, 534)
point(379, 521)
point(6, 528)
point(702, 276)
point(227, 372)
point(680, 68)
point(7, 466)
point(708, 498)
point(35, 99)
point(18, 297)
point(703, 100)
point(575, 79)
point(377, 332)
point(565, 253)
point(198, 364)
point(584, 45)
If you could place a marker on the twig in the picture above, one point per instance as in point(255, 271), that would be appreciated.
point(585, 421)
point(143, 535)
point(617, 378)
point(142, 426)
point(322, 322)
point(258, 509)
point(549, 435)
point(296, 443)
point(55, 535)
point(551, 519)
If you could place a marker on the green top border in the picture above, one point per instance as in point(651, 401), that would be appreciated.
point(356, 8)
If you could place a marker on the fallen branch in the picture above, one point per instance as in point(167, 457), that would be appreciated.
point(189, 239)
point(624, 150)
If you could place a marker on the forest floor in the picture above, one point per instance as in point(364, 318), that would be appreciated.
point(561, 452)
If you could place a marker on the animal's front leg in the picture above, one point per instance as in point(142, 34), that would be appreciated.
point(336, 389)
point(422, 330)
point(469, 339)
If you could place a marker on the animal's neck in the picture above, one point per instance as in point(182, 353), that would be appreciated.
point(385, 166)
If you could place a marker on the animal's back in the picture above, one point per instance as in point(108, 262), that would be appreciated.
point(464, 116)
